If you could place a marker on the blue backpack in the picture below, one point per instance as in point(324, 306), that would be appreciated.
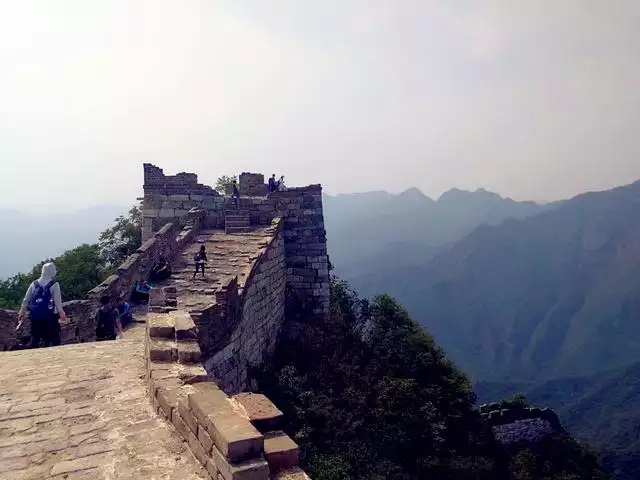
point(41, 305)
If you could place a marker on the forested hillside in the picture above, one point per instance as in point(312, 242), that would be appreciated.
point(370, 395)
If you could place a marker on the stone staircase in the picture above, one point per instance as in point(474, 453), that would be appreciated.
point(237, 221)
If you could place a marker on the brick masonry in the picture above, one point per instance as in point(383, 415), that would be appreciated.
point(222, 432)
point(168, 199)
point(259, 309)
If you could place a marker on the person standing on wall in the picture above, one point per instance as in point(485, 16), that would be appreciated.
point(235, 193)
point(272, 183)
point(200, 258)
point(44, 302)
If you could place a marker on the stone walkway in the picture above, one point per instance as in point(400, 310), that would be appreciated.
point(82, 412)
point(228, 254)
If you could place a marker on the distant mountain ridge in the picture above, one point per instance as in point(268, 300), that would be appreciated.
point(373, 231)
point(29, 238)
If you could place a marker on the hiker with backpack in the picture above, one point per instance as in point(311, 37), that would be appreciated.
point(44, 302)
point(108, 325)
point(200, 258)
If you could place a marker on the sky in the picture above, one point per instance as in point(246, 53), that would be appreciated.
point(534, 100)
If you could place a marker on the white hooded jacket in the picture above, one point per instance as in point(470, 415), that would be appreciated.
point(48, 274)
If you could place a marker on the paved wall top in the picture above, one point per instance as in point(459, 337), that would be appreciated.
point(82, 411)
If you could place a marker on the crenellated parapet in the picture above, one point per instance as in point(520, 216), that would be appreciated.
point(512, 424)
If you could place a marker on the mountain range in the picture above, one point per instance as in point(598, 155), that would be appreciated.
point(543, 300)
point(554, 294)
point(370, 233)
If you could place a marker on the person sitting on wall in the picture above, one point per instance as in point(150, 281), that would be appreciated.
point(272, 183)
point(161, 271)
point(44, 301)
point(108, 326)
point(141, 292)
point(124, 310)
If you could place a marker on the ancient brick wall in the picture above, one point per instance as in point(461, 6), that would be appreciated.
point(8, 334)
point(165, 242)
point(252, 184)
point(518, 424)
point(304, 234)
point(233, 438)
point(256, 317)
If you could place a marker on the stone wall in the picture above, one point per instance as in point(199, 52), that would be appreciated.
point(305, 242)
point(137, 267)
point(252, 184)
point(517, 424)
point(233, 438)
point(254, 318)
point(8, 335)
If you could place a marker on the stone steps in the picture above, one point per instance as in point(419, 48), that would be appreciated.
point(237, 222)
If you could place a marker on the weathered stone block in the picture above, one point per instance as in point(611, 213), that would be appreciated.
point(190, 374)
point(280, 451)
point(263, 414)
point(189, 352)
point(164, 383)
point(180, 425)
point(197, 449)
point(233, 434)
point(253, 469)
point(185, 327)
point(162, 350)
point(168, 399)
point(179, 198)
point(166, 213)
point(187, 415)
point(160, 325)
point(205, 439)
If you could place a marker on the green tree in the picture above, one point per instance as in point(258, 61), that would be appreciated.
point(223, 184)
point(122, 239)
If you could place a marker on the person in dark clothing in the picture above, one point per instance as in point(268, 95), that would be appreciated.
point(161, 271)
point(235, 193)
point(108, 321)
point(272, 183)
point(200, 258)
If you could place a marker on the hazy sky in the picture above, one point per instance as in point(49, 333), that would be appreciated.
point(532, 99)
